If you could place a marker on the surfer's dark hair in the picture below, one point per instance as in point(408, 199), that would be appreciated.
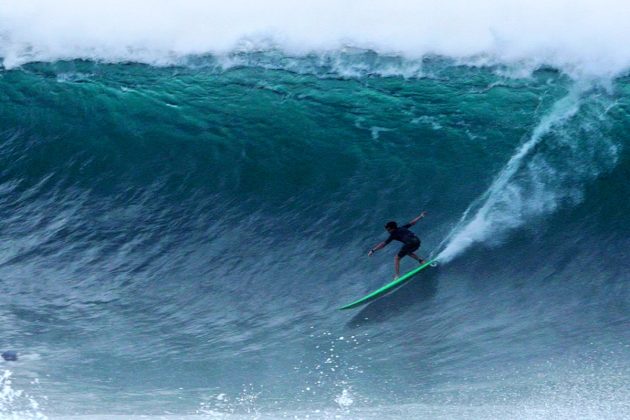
point(391, 225)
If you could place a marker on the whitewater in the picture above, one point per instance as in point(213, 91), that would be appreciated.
point(188, 193)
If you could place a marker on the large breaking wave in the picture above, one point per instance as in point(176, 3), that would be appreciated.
point(177, 238)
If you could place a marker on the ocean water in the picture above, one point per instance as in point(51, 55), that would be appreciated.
point(182, 211)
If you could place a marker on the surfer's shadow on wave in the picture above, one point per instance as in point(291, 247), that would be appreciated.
point(401, 300)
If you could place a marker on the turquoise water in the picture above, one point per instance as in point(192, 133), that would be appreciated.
point(177, 239)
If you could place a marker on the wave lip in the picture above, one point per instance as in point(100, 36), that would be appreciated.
point(583, 38)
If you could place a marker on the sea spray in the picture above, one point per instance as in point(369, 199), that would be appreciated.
point(581, 38)
point(532, 184)
point(17, 404)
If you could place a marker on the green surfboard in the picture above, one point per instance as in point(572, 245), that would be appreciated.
point(388, 287)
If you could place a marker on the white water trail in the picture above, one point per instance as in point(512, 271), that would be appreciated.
point(507, 203)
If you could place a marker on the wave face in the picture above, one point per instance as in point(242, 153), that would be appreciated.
point(178, 239)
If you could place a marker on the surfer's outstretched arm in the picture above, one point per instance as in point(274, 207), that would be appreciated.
point(378, 246)
point(414, 221)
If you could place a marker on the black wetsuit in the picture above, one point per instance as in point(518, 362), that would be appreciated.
point(409, 239)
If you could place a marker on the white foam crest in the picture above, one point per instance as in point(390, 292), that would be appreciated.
point(533, 184)
point(583, 37)
point(16, 404)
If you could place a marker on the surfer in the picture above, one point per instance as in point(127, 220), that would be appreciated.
point(410, 241)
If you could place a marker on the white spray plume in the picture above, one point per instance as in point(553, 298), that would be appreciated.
point(533, 184)
point(582, 37)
